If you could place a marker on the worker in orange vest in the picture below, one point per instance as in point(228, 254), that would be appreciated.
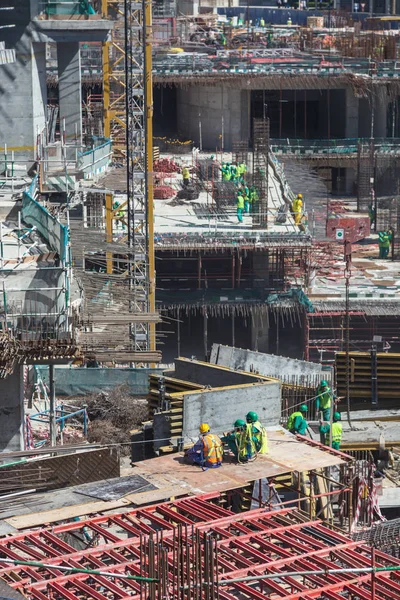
point(208, 451)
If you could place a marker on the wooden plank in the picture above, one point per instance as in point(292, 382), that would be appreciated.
point(61, 514)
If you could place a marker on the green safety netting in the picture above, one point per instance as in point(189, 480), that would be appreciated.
point(35, 215)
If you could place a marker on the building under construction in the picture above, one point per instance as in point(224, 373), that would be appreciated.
point(111, 257)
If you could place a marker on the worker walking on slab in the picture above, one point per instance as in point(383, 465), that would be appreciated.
point(208, 451)
point(297, 422)
point(323, 400)
point(240, 444)
point(385, 240)
point(186, 176)
point(240, 206)
point(257, 433)
point(297, 208)
point(337, 431)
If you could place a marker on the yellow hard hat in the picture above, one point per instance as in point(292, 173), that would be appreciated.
point(299, 195)
point(204, 427)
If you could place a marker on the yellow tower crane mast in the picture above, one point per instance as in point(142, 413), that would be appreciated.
point(128, 121)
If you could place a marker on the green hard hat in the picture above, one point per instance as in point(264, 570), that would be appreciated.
point(304, 408)
point(239, 423)
point(251, 417)
point(324, 383)
point(337, 416)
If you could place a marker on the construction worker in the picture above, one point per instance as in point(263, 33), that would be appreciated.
point(246, 195)
point(385, 240)
point(257, 433)
point(226, 172)
point(297, 208)
point(186, 176)
point(208, 451)
point(240, 207)
point(337, 431)
point(323, 400)
point(242, 170)
point(241, 447)
point(372, 214)
point(297, 421)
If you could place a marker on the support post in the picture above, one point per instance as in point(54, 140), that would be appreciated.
point(109, 232)
point(205, 333)
point(233, 329)
point(52, 414)
point(178, 332)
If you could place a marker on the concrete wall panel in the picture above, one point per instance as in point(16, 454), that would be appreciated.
point(268, 365)
point(220, 408)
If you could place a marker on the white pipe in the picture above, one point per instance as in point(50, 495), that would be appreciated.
point(19, 239)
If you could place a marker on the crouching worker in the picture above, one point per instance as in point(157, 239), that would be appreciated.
point(208, 451)
point(240, 443)
point(297, 422)
point(257, 433)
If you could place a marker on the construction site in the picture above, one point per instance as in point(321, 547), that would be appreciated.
point(199, 300)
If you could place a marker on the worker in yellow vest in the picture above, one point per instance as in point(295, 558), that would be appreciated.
point(257, 432)
point(297, 422)
point(186, 176)
point(240, 443)
point(337, 431)
point(297, 208)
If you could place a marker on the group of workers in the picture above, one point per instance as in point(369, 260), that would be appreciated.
point(297, 208)
point(247, 439)
point(324, 399)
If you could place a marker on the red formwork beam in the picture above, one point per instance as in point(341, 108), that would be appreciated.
point(252, 543)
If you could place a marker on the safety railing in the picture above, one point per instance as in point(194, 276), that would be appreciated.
point(62, 8)
point(95, 161)
point(335, 146)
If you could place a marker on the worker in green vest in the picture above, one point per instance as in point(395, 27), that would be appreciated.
point(297, 421)
point(385, 240)
point(337, 431)
point(257, 432)
point(240, 207)
point(239, 443)
point(323, 400)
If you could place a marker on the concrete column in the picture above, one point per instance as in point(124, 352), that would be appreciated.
point(70, 87)
point(12, 412)
point(380, 115)
point(351, 128)
point(23, 99)
point(259, 333)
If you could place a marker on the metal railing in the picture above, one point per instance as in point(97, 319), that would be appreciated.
point(52, 8)
point(335, 146)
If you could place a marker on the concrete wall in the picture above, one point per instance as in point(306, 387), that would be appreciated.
point(209, 105)
point(220, 408)
point(12, 412)
point(209, 374)
point(268, 365)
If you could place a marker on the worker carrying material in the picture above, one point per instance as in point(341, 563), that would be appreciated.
point(297, 208)
point(257, 432)
point(385, 240)
point(297, 421)
point(240, 442)
point(208, 451)
point(323, 400)
point(186, 176)
point(337, 432)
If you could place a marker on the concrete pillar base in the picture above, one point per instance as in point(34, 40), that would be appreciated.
point(12, 413)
